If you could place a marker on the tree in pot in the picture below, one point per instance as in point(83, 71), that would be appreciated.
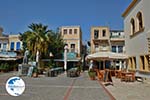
point(92, 74)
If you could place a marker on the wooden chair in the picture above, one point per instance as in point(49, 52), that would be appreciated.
point(118, 73)
point(128, 76)
point(100, 75)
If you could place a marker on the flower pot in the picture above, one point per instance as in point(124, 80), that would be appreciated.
point(92, 78)
point(35, 75)
point(92, 74)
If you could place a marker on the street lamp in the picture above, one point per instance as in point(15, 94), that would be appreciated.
point(65, 57)
point(50, 54)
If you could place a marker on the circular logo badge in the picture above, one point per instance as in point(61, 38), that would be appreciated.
point(15, 86)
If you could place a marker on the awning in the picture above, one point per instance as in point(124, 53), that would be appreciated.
point(8, 59)
point(106, 56)
point(68, 60)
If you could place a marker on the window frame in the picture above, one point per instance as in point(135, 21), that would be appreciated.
point(139, 17)
point(65, 31)
point(103, 33)
point(96, 34)
point(132, 22)
point(12, 46)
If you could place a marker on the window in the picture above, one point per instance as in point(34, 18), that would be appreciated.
point(75, 31)
point(18, 46)
point(96, 34)
point(113, 48)
point(134, 62)
point(132, 26)
point(130, 64)
point(142, 62)
point(65, 31)
point(4, 46)
point(104, 33)
point(144, 66)
point(120, 49)
point(140, 20)
point(12, 46)
point(70, 31)
point(147, 62)
point(72, 47)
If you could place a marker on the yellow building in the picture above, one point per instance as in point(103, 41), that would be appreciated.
point(100, 39)
point(9, 42)
point(72, 36)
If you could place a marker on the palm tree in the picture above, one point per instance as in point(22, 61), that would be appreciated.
point(36, 39)
point(39, 38)
point(57, 44)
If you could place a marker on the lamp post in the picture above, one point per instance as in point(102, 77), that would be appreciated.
point(51, 55)
point(65, 58)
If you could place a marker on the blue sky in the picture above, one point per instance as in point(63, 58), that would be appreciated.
point(16, 15)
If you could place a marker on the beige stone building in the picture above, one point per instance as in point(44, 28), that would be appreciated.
point(100, 39)
point(109, 42)
point(72, 36)
point(137, 36)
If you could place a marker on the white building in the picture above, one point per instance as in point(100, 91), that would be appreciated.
point(137, 34)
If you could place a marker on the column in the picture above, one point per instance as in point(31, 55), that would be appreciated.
point(120, 65)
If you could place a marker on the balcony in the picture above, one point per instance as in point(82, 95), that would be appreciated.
point(102, 48)
point(117, 38)
point(73, 50)
point(107, 48)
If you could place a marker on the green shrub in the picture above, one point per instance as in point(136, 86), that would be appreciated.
point(92, 73)
point(4, 67)
point(35, 70)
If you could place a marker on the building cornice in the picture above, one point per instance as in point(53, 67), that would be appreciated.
point(132, 4)
point(71, 26)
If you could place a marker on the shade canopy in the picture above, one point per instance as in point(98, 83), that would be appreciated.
point(106, 56)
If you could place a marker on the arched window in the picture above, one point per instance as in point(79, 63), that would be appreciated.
point(140, 20)
point(132, 26)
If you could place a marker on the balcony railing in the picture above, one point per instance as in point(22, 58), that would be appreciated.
point(105, 48)
point(117, 36)
point(73, 50)
point(101, 48)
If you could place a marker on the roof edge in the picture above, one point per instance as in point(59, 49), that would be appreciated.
point(129, 8)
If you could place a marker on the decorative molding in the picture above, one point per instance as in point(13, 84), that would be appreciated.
point(138, 32)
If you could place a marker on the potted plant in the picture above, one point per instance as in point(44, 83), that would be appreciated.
point(35, 72)
point(4, 67)
point(92, 74)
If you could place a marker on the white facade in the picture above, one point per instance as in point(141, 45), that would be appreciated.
point(136, 43)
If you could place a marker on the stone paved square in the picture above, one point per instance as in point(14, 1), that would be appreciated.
point(57, 88)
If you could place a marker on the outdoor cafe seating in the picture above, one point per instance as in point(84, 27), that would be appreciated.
point(128, 76)
point(124, 75)
point(104, 76)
